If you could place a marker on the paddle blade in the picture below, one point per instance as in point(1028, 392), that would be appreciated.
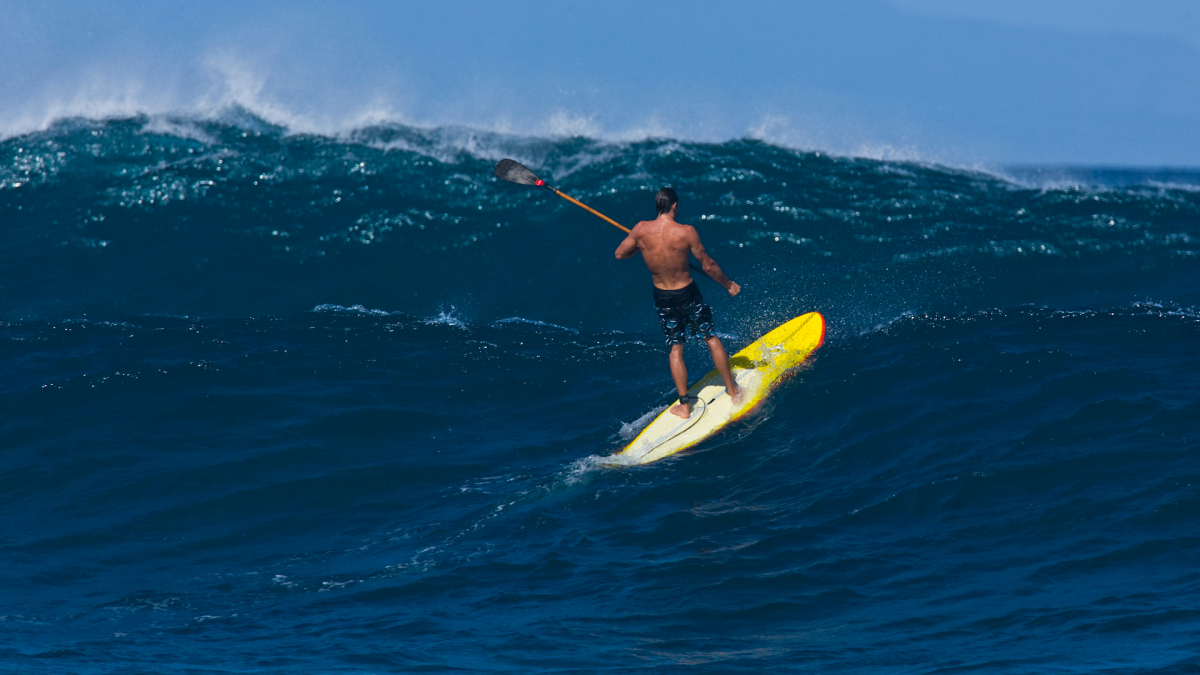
point(515, 172)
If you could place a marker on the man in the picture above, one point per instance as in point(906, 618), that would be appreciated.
point(665, 244)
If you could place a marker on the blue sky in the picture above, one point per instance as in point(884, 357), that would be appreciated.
point(1100, 82)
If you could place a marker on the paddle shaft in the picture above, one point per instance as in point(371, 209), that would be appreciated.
point(589, 209)
point(612, 222)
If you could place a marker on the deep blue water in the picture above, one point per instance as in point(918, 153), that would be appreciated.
point(277, 403)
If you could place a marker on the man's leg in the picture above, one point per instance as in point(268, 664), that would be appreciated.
point(721, 361)
point(679, 374)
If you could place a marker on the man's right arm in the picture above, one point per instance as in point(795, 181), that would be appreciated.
point(627, 248)
point(709, 265)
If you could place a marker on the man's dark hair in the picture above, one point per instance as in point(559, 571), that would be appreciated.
point(665, 199)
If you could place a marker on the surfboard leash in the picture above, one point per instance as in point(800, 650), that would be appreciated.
point(693, 419)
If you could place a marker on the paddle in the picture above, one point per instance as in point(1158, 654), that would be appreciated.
point(515, 172)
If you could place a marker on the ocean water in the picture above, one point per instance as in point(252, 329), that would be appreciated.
point(277, 403)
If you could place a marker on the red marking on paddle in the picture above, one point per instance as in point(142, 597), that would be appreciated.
point(540, 182)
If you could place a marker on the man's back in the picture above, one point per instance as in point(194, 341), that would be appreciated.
point(665, 245)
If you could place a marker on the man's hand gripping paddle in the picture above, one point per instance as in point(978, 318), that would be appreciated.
point(515, 172)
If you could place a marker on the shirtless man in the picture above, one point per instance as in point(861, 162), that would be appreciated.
point(665, 244)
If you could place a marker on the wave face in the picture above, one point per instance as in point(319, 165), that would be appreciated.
point(290, 403)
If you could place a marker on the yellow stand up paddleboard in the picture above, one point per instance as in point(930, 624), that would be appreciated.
point(757, 369)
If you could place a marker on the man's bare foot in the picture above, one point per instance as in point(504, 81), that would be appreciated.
point(683, 410)
point(736, 396)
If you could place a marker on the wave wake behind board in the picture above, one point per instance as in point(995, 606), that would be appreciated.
point(758, 369)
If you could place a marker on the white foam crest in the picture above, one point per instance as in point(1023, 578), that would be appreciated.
point(1174, 185)
point(227, 87)
point(890, 152)
point(886, 324)
point(448, 144)
point(451, 144)
point(353, 309)
point(631, 429)
point(177, 127)
point(447, 318)
point(1166, 309)
point(97, 98)
point(564, 124)
point(237, 92)
point(849, 143)
point(533, 322)
point(1047, 182)
point(223, 83)
point(585, 468)
point(1090, 179)
point(240, 86)
point(615, 343)
point(780, 130)
point(651, 128)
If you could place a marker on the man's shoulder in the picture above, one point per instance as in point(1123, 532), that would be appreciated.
point(641, 227)
point(685, 230)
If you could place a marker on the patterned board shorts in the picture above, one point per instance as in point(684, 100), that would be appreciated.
point(681, 310)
